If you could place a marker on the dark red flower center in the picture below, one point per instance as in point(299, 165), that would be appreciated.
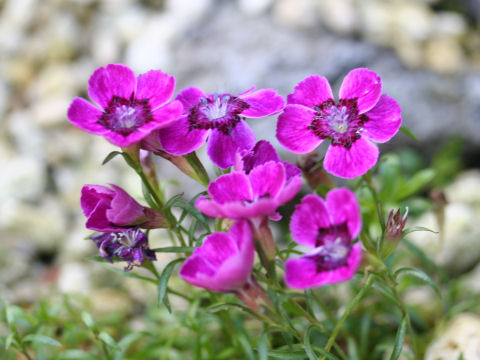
point(341, 123)
point(333, 247)
point(125, 116)
point(221, 112)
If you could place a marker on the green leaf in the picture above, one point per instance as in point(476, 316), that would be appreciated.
point(415, 183)
point(42, 339)
point(385, 291)
point(193, 211)
point(175, 249)
point(163, 281)
point(397, 348)
point(262, 347)
point(76, 354)
point(286, 355)
point(88, 320)
point(419, 274)
point(417, 228)
point(306, 342)
point(326, 354)
point(111, 156)
point(409, 133)
point(8, 340)
point(107, 339)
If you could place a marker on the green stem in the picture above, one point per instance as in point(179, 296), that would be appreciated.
point(347, 312)
point(379, 208)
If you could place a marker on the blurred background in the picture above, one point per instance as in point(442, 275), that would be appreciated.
point(426, 51)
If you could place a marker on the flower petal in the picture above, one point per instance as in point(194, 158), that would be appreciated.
point(91, 195)
point(178, 139)
point(302, 273)
point(384, 120)
point(263, 102)
point(167, 114)
point(308, 217)
point(364, 85)
point(267, 179)
point(124, 210)
point(125, 140)
point(190, 97)
point(291, 189)
point(84, 115)
point(262, 152)
point(114, 80)
point(343, 207)
point(312, 91)
point(349, 163)
point(293, 129)
point(156, 86)
point(233, 187)
point(237, 210)
point(97, 219)
point(221, 148)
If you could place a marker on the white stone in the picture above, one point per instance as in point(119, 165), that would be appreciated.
point(254, 7)
point(465, 188)
point(412, 19)
point(448, 24)
point(74, 278)
point(461, 337)
point(444, 55)
point(457, 240)
point(186, 11)
point(339, 16)
point(295, 13)
point(376, 21)
point(145, 54)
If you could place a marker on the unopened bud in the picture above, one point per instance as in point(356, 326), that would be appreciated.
point(393, 231)
point(314, 173)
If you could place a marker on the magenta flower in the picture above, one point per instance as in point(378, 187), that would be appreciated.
point(261, 153)
point(130, 245)
point(255, 195)
point(220, 117)
point(130, 108)
point(224, 261)
point(362, 114)
point(114, 210)
point(329, 228)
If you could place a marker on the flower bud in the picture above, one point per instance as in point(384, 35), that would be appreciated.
point(393, 231)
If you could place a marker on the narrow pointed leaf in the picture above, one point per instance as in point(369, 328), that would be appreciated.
point(397, 348)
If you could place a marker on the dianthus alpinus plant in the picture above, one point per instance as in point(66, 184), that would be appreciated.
point(324, 286)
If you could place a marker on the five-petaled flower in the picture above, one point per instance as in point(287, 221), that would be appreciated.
point(362, 114)
point(129, 245)
point(224, 261)
point(114, 210)
point(329, 228)
point(130, 107)
point(220, 117)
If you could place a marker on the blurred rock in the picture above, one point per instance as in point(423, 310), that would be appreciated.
point(456, 247)
point(338, 15)
point(254, 7)
point(295, 13)
point(444, 55)
point(74, 278)
point(461, 339)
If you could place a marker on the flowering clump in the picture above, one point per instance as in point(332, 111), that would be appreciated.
point(362, 114)
point(329, 228)
point(220, 118)
point(130, 107)
point(115, 210)
point(130, 245)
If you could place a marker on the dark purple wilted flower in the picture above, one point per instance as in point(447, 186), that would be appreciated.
point(362, 114)
point(130, 107)
point(130, 245)
point(329, 228)
point(261, 153)
point(114, 210)
point(220, 117)
point(224, 261)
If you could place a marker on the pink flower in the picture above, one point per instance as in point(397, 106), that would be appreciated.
point(220, 118)
point(362, 114)
point(261, 153)
point(250, 196)
point(130, 108)
point(114, 210)
point(329, 228)
point(224, 261)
